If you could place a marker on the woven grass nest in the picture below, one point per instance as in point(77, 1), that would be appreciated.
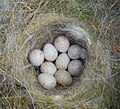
point(86, 90)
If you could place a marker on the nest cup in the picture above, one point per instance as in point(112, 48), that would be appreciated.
point(56, 29)
point(44, 29)
point(60, 28)
point(47, 32)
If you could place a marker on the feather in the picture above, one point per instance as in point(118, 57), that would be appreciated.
point(78, 32)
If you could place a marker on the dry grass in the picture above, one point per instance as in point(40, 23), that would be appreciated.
point(26, 25)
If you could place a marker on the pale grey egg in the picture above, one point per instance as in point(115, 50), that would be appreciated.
point(36, 57)
point(61, 43)
point(50, 52)
point(62, 61)
point(75, 52)
point(75, 67)
point(47, 81)
point(48, 67)
point(83, 53)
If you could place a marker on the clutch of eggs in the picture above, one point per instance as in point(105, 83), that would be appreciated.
point(58, 62)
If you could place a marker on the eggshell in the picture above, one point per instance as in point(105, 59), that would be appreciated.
point(48, 67)
point(83, 53)
point(62, 61)
point(47, 81)
point(50, 52)
point(63, 77)
point(61, 43)
point(75, 52)
point(75, 67)
point(36, 57)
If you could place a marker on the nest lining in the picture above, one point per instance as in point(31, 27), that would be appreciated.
point(43, 30)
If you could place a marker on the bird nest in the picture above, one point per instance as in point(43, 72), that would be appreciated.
point(85, 90)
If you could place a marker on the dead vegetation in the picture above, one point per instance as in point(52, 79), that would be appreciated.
point(24, 25)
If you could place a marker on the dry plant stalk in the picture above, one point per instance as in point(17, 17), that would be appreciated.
point(39, 31)
point(29, 28)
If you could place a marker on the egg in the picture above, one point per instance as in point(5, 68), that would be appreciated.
point(83, 54)
point(61, 43)
point(63, 77)
point(74, 52)
point(50, 52)
point(48, 67)
point(47, 81)
point(36, 57)
point(75, 67)
point(62, 61)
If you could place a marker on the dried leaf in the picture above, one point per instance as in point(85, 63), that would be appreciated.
point(93, 23)
point(117, 47)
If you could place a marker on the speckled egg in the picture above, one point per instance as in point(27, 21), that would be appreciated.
point(47, 81)
point(83, 54)
point(48, 67)
point(36, 57)
point(50, 52)
point(74, 67)
point(75, 52)
point(62, 61)
point(63, 77)
point(61, 43)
